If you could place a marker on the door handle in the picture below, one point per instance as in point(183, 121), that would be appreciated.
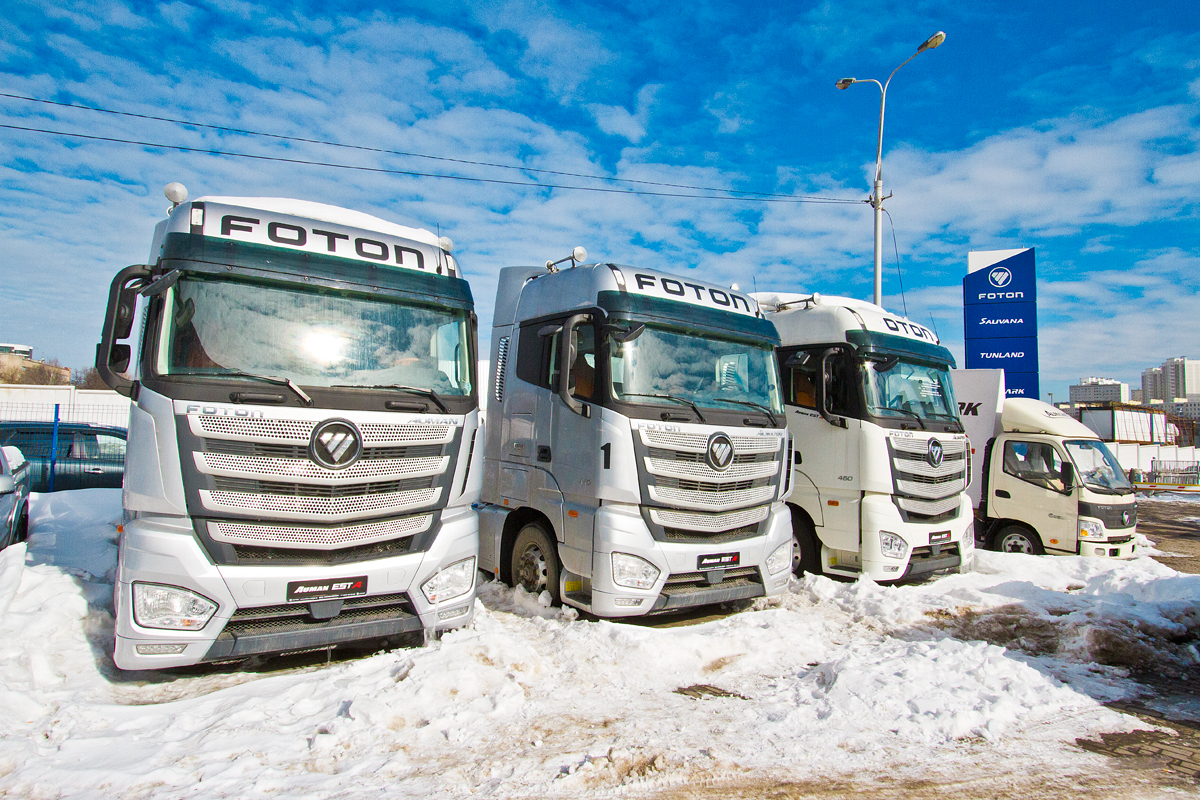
point(543, 453)
point(1003, 493)
point(94, 470)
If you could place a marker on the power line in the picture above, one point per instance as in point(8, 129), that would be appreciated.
point(308, 162)
point(413, 155)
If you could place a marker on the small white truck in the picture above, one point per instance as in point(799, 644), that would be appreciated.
point(636, 449)
point(304, 414)
point(880, 458)
point(1043, 482)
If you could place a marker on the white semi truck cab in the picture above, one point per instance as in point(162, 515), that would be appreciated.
point(636, 448)
point(299, 461)
point(1044, 483)
point(880, 461)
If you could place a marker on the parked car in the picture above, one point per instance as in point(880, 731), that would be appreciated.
point(14, 496)
point(87, 456)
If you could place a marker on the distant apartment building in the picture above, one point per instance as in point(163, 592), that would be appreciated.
point(1176, 378)
point(16, 359)
point(1182, 407)
point(1099, 390)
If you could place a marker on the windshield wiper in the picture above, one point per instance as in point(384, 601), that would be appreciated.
point(752, 404)
point(687, 403)
point(912, 414)
point(237, 373)
point(430, 393)
point(954, 417)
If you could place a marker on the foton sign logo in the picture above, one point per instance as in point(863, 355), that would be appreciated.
point(698, 293)
point(1000, 277)
point(1001, 295)
point(911, 328)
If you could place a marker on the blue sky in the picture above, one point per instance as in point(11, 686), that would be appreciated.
point(1069, 127)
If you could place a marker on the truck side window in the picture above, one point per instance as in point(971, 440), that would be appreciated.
point(530, 347)
point(1034, 462)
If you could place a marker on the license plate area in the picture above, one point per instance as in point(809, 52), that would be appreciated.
point(306, 591)
point(717, 561)
point(939, 537)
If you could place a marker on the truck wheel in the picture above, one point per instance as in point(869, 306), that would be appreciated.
point(535, 562)
point(1015, 539)
point(806, 553)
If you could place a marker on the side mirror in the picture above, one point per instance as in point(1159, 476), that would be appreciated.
point(822, 396)
point(112, 359)
point(567, 352)
point(1068, 476)
point(6, 484)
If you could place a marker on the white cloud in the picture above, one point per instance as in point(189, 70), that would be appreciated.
point(616, 121)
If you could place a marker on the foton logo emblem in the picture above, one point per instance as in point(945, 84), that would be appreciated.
point(719, 452)
point(999, 277)
point(335, 444)
point(935, 454)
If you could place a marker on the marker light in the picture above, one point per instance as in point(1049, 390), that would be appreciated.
point(446, 244)
point(175, 192)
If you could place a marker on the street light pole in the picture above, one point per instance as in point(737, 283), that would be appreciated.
point(877, 193)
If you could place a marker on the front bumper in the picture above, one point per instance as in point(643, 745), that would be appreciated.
point(1124, 547)
point(681, 584)
point(957, 551)
point(253, 615)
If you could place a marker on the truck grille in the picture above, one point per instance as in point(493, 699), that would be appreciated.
point(295, 616)
point(262, 468)
point(688, 499)
point(921, 489)
point(683, 582)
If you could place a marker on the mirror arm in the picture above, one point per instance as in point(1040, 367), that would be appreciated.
point(567, 353)
point(820, 387)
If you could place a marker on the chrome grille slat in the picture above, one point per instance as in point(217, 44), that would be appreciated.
point(708, 523)
point(318, 538)
point(701, 470)
point(697, 442)
point(929, 508)
point(292, 506)
point(299, 431)
point(307, 471)
point(921, 488)
point(711, 501)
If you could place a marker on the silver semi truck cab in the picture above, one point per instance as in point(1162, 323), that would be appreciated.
point(299, 457)
point(881, 460)
point(636, 448)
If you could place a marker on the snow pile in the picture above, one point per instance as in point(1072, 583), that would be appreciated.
point(975, 674)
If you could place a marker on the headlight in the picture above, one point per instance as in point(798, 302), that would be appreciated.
point(892, 546)
point(633, 572)
point(781, 559)
point(170, 608)
point(1092, 529)
point(450, 582)
point(968, 539)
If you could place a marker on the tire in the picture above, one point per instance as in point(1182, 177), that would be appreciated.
point(1016, 539)
point(534, 564)
point(806, 552)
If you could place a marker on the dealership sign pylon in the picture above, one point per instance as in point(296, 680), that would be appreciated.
point(1000, 317)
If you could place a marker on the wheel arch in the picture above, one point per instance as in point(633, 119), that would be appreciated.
point(1000, 524)
point(513, 523)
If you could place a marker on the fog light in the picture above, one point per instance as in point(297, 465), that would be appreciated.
point(892, 546)
point(159, 649)
point(633, 572)
point(627, 602)
point(170, 608)
point(782, 581)
point(453, 612)
point(780, 559)
point(450, 582)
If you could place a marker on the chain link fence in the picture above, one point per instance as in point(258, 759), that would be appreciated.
point(76, 444)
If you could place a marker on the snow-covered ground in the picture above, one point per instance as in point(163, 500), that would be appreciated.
point(966, 685)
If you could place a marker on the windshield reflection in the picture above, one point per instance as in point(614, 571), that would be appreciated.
point(218, 327)
point(666, 367)
point(894, 387)
point(1097, 467)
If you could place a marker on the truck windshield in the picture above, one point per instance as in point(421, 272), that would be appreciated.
point(661, 364)
point(314, 337)
point(1097, 467)
point(894, 387)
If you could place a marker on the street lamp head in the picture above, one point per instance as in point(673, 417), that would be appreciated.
point(844, 82)
point(932, 42)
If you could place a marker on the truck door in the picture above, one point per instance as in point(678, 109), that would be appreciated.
point(828, 455)
point(1027, 486)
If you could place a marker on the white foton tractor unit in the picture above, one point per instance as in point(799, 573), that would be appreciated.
point(636, 448)
point(881, 462)
point(305, 408)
